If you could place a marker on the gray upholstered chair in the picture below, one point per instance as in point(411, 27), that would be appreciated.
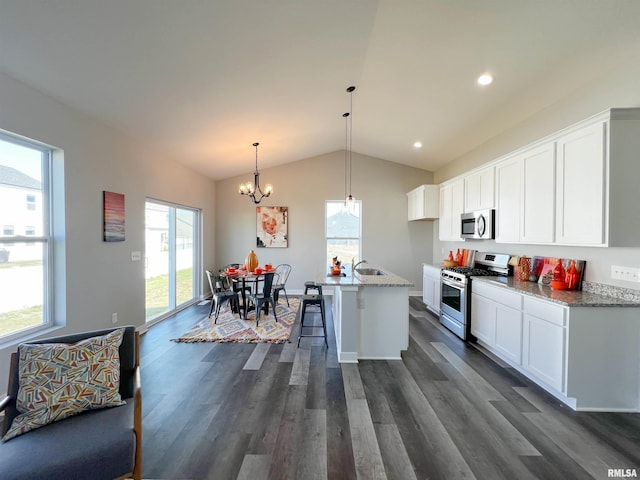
point(96, 444)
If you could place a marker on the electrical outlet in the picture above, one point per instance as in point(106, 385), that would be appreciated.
point(114, 318)
point(628, 274)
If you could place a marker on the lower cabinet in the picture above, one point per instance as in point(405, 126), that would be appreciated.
point(586, 356)
point(496, 320)
point(483, 319)
point(509, 333)
point(545, 342)
point(431, 288)
point(544, 351)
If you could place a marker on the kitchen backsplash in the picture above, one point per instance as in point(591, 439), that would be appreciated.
point(611, 291)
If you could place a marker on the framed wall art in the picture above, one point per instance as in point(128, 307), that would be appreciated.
point(113, 216)
point(272, 225)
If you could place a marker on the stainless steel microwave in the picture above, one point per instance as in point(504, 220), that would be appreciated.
point(478, 224)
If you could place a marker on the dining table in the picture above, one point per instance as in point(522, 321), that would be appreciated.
point(244, 277)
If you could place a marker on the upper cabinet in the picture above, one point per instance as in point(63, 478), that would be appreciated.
point(423, 203)
point(597, 174)
point(508, 200)
point(526, 196)
point(581, 209)
point(479, 190)
point(576, 187)
point(451, 207)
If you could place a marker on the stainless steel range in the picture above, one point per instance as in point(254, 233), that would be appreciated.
point(455, 286)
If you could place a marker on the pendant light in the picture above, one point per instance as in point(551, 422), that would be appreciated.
point(249, 189)
point(346, 155)
point(349, 199)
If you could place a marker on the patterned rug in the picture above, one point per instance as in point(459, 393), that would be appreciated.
point(231, 328)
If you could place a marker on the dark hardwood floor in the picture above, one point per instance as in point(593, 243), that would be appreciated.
point(446, 411)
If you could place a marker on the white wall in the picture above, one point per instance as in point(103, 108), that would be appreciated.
point(100, 277)
point(388, 239)
point(617, 88)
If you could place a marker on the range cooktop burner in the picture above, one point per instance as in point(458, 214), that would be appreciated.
point(473, 271)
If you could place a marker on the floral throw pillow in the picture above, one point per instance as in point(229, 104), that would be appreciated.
point(58, 380)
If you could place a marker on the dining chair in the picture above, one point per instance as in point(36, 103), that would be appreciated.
point(220, 295)
point(265, 298)
point(237, 285)
point(282, 275)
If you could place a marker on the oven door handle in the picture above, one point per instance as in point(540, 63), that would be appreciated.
point(452, 284)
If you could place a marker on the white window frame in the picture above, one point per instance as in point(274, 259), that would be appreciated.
point(45, 240)
point(174, 307)
point(327, 237)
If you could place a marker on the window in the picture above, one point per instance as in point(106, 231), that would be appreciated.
point(31, 202)
point(172, 258)
point(25, 239)
point(343, 229)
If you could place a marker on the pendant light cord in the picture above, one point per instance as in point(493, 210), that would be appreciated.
point(346, 153)
point(350, 137)
point(350, 90)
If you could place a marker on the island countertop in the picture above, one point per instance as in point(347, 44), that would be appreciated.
point(569, 298)
point(389, 279)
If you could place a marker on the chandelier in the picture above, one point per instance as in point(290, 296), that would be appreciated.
point(253, 189)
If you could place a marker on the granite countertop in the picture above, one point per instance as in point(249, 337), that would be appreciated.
point(389, 279)
point(569, 298)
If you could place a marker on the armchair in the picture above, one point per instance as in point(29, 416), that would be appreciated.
point(99, 444)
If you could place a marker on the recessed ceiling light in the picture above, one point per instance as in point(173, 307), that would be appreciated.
point(417, 145)
point(485, 79)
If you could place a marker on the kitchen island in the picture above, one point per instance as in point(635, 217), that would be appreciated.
point(370, 314)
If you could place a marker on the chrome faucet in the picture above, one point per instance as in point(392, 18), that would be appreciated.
point(353, 266)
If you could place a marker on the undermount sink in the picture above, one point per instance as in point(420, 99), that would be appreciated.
point(369, 271)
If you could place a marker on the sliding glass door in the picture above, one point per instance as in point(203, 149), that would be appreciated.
point(172, 251)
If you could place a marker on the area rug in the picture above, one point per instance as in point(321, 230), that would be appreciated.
point(231, 328)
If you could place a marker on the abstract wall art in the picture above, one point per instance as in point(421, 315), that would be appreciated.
point(113, 216)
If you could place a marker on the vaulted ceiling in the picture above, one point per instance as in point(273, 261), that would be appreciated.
point(201, 80)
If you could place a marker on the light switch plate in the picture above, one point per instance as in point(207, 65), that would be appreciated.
point(136, 256)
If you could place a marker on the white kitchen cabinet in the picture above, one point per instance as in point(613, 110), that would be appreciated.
point(574, 187)
point(584, 355)
point(431, 287)
point(451, 207)
point(423, 203)
point(508, 200)
point(597, 181)
point(479, 189)
point(483, 319)
point(496, 320)
point(526, 196)
point(509, 333)
point(582, 186)
point(544, 342)
point(538, 194)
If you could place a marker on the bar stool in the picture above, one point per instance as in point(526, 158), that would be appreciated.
point(310, 285)
point(315, 300)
